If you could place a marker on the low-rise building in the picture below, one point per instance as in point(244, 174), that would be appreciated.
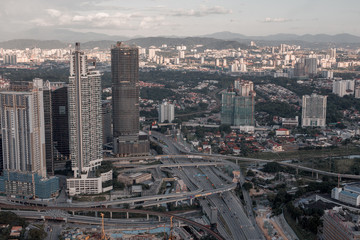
point(134, 178)
point(90, 184)
point(282, 132)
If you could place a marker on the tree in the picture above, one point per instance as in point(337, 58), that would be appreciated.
point(247, 186)
point(250, 173)
point(225, 128)
point(36, 234)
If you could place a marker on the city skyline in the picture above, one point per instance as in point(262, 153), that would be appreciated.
point(186, 18)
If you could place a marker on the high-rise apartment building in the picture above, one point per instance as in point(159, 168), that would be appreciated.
point(343, 87)
point(166, 112)
point(314, 111)
point(24, 143)
point(333, 53)
point(85, 125)
point(22, 124)
point(238, 104)
point(125, 101)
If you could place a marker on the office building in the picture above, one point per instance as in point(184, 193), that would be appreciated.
point(343, 87)
point(338, 224)
point(166, 112)
point(314, 111)
point(125, 102)
point(310, 66)
point(23, 142)
point(106, 121)
point(238, 104)
point(85, 125)
point(59, 122)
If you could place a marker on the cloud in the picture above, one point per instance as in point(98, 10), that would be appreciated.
point(203, 11)
point(152, 22)
point(55, 17)
point(277, 20)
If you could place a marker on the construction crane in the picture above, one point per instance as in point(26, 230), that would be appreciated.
point(171, 237)
point(103, 235)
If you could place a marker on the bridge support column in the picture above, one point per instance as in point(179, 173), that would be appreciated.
point(147, 217)
point(159, 218)
point(191, 201)
point(127, 215)
point(317, 175)
point(237, 162)
point(73, 213)
point(110, 215)
point(176, 203)
point(297, 171)
point(96, 214)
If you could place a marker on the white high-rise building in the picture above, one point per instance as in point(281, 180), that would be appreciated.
point(166, 112)
point(314, 111)
point(244, 87)
point(85, 124)
point(357, 92)
point(333, 53)
point(181, 54)
point(343, 87)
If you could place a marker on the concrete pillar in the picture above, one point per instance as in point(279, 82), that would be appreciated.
point(237, 162)
point(147, 217)
point(159, 218)
point(297, 171)
point(176, 203)
point(191, 201)
point(127, 215)
point(96, 214)
point(110, 215)
point(317, 175)
point(73, 213)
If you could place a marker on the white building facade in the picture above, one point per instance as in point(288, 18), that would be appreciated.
point(314, 111)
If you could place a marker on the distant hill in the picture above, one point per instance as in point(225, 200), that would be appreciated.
point(317, 38)
point(104, 44)
point(220, 45)
point(31, 43)
point(62, 35)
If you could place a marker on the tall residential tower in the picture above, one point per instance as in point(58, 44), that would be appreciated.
point(313, 110)
point(24, 142)
point(85, 124)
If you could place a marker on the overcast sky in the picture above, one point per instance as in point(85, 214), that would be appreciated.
point(183, 17)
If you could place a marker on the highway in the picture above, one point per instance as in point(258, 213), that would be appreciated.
point(139, 211)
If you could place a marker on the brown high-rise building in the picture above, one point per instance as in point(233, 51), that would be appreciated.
point(125, 101)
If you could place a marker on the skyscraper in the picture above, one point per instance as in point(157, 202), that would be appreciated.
point(57, 124)
point(125, 101)
point(23, 143)
point(238, 104)
point(314, 110)
point(85, 124)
